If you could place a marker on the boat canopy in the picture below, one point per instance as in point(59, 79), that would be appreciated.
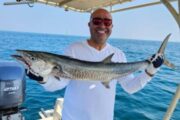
point(90, 5)
point(83, 5)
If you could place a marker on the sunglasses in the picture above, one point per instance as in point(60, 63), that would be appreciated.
point(98, 21)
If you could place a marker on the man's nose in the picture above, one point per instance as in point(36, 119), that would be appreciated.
point(102, 25)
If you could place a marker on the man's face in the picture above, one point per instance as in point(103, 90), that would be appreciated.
point(100, 26)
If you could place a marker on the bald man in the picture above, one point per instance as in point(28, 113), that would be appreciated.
point(88, 100)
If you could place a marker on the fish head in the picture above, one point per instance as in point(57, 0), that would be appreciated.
point(34, 62)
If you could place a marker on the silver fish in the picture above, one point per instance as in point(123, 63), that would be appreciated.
point(44, 64)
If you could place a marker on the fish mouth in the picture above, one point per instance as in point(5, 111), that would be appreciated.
point(22, 58)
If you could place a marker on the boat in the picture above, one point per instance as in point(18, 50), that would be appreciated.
point(53, 114)
point(85, 6)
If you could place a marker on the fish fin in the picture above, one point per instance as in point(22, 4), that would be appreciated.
point(167, 63)
point(57, 77)
point(162, 49)
point(164, 44)
point(58, 72)
point(106, 84)
point(108, 58)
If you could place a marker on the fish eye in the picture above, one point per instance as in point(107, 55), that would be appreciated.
point(33, 58)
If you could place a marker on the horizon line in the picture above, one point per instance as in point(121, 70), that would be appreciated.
point(56, 34)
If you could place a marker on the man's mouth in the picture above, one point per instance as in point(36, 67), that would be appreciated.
point(101, 31)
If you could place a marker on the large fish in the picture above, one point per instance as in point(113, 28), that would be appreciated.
point(44, 64)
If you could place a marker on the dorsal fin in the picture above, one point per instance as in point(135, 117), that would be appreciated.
point(106, 84)
point(108, 58)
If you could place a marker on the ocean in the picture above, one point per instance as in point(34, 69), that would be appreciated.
point(148, 104)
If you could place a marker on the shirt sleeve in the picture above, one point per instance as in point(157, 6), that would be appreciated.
point(54, 84)
point(131, 83)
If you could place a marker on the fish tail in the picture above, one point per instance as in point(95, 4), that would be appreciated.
point(162, 49)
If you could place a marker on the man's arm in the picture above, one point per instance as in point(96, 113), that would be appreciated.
point(133, 84)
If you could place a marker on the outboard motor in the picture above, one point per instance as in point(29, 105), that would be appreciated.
point(12, 90)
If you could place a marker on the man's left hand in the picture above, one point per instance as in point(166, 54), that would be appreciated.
point(156, 61)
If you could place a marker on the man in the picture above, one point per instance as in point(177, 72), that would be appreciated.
point(87, 100)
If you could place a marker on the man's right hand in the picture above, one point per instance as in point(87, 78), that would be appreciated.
point(33, 76)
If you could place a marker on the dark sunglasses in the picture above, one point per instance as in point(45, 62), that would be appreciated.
point(98, 21)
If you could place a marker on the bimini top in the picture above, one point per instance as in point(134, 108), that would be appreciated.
point(90, 5)
point(82, 5)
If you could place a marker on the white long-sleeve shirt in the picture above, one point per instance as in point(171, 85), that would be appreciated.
point(87, 100)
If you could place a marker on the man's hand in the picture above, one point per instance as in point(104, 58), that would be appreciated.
point(33, 76)
point(156, 61)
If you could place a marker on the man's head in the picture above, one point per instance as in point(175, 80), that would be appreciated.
point(100, 26)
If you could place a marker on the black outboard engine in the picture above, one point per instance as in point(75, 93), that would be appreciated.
point(12, 90)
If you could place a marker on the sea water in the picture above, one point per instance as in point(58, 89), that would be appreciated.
point(148, 104)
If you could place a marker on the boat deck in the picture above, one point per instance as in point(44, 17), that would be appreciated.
point(53, 114)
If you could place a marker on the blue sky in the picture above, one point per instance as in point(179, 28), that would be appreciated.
point(150, 23)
